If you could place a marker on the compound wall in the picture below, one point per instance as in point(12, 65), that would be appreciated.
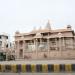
point(40, 68)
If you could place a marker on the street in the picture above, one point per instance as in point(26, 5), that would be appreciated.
point(37, 73)
point(39, 62)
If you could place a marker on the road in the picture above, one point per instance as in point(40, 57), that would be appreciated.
point(39, 62)
point(37, 73)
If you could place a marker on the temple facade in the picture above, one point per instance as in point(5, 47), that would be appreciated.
point(45, 43)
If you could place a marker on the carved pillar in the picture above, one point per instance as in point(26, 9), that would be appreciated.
point(36, 47)
point(40, 42)
point(35, 44)
point(23, 48)
point(74, 43)
point(63, 45)
point(56, 44)
point(48, 46)
point(17, 51)
point(60, 49)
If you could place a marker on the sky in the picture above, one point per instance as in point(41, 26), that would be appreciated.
point(23, 15)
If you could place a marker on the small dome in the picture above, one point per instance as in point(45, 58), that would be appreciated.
point(17, 32)
point(68, 26)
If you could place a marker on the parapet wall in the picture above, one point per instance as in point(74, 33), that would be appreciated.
point(39, 68)
point(67, 54)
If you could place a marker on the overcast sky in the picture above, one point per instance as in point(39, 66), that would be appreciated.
point(23, 15)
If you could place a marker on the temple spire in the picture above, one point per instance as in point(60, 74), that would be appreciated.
point(48, 26)
point(40, 28)
point(34, 28)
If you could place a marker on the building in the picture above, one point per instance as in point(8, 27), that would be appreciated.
point(46, 43)
point(12, 51)
point(4, 46)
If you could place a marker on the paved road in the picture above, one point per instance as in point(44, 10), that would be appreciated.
point(37, 73)
point(39, 62)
